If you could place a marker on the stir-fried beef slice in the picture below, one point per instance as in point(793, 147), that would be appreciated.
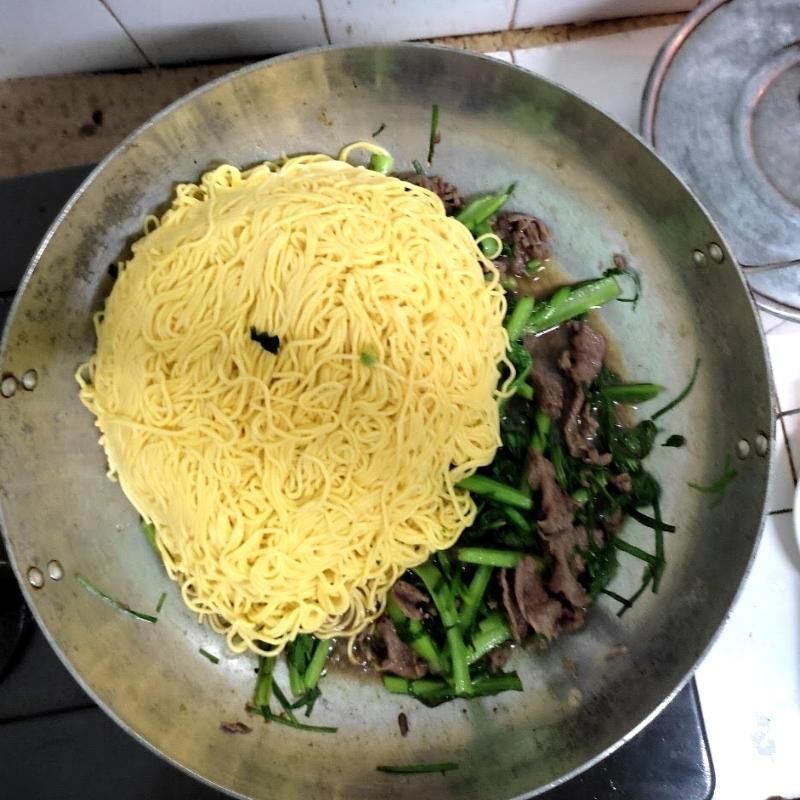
point(400, 658)
point(235, 727)
point(498, 658)
point(540, 610)
point(572, 619)
point(621, 482)
point(558, 507)
point(587, 349)
point(550, 384)
point(447, 193)
point(515, 619)
point(527, 238)
point(580, 427)
point(411, 600)
point(568, 565)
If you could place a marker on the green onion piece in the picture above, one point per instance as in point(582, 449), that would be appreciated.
point(489, 556)
point(635, 551)
point(263, 691)
point(149, 530)
point(417, 167)
point(434, 137)
point(534, 265)
point(416, 769)
point(515, 323)
point(649, 522)
point(367, 358)
point(210, 656)
point(380, 130)
point(661, 563)
point(444, 601)
point(482, 208)
point(491, 248)
point(161, 601)
point(632, 393)
point(379, 162)
point(496, 491)
point(301, 726)
point(473, 597)
point(560, 296)
point(682, 396)
point(396, 684)
point(492, 632)
point(92, 589)
point(720, 484)
point(676, 440)
point(283, 700)
point(317, 663)
point(576, 301)
point(508, 682)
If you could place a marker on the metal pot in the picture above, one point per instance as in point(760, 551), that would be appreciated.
point(602, 192)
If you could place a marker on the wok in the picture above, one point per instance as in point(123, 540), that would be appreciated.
point(602, 191)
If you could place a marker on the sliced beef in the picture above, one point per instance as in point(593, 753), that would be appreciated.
point(580, 429)
point(551, 386)
point(447, 193)
point(568, 566)
point(527, 238)
point(622, 482)
point(515, 619)
point(557, 506)
point(498, 658)
point(587, 349)
point(539, 609)
point(572, 619)
point(411, 600)
point(400, 658)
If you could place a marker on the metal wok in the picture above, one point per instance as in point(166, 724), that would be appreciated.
point(602, 192)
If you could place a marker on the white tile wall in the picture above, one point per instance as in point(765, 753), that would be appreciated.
point(352, 21)
point(172, 31)
point(608, 70)
point(535, 13)
point(40, 37)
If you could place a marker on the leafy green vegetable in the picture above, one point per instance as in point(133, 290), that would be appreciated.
point(482, 208)
point(496, 491)
point(210, 656)
point(631, 393)
point(720, 484)
point(263, 690)
point(675, 440)
point(379, 162)
point(149, 530)
point(574, 302)
point(367, 358)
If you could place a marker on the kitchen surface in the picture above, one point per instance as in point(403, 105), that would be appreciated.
point(748, 684)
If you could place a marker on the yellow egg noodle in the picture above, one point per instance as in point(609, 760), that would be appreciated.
point(289, 491)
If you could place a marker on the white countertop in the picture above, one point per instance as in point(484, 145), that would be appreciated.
point(749, 682)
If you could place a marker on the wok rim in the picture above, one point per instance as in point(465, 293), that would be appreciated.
point(29, 594)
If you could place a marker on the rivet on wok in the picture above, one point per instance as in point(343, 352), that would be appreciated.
point(55, 570)
point(762, 444)
point(35, 577)
point(29, 380)
point(715, 252)
point(8, 386)
point(742, 448)
point(699, 258)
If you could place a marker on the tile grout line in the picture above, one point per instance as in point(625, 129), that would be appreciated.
point(119, 22)
point(792, 468)
point(513, 21)
point(324, 21)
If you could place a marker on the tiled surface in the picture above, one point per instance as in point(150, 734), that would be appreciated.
point(535, 13)
point(41, 37)
point(609, 70)
point(784, 348)
point(196, 30)
point(749, 683)
point(351, 21)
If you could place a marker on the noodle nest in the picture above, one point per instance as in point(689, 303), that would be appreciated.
point(290, 490)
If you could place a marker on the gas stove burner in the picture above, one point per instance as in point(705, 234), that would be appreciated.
point(14, 613)
point(721, 106)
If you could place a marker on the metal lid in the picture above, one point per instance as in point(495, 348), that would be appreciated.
point(722, 106)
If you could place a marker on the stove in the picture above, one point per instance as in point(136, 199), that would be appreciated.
point(56, 743)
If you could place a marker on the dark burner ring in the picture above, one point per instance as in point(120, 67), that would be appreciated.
point(14, 614)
